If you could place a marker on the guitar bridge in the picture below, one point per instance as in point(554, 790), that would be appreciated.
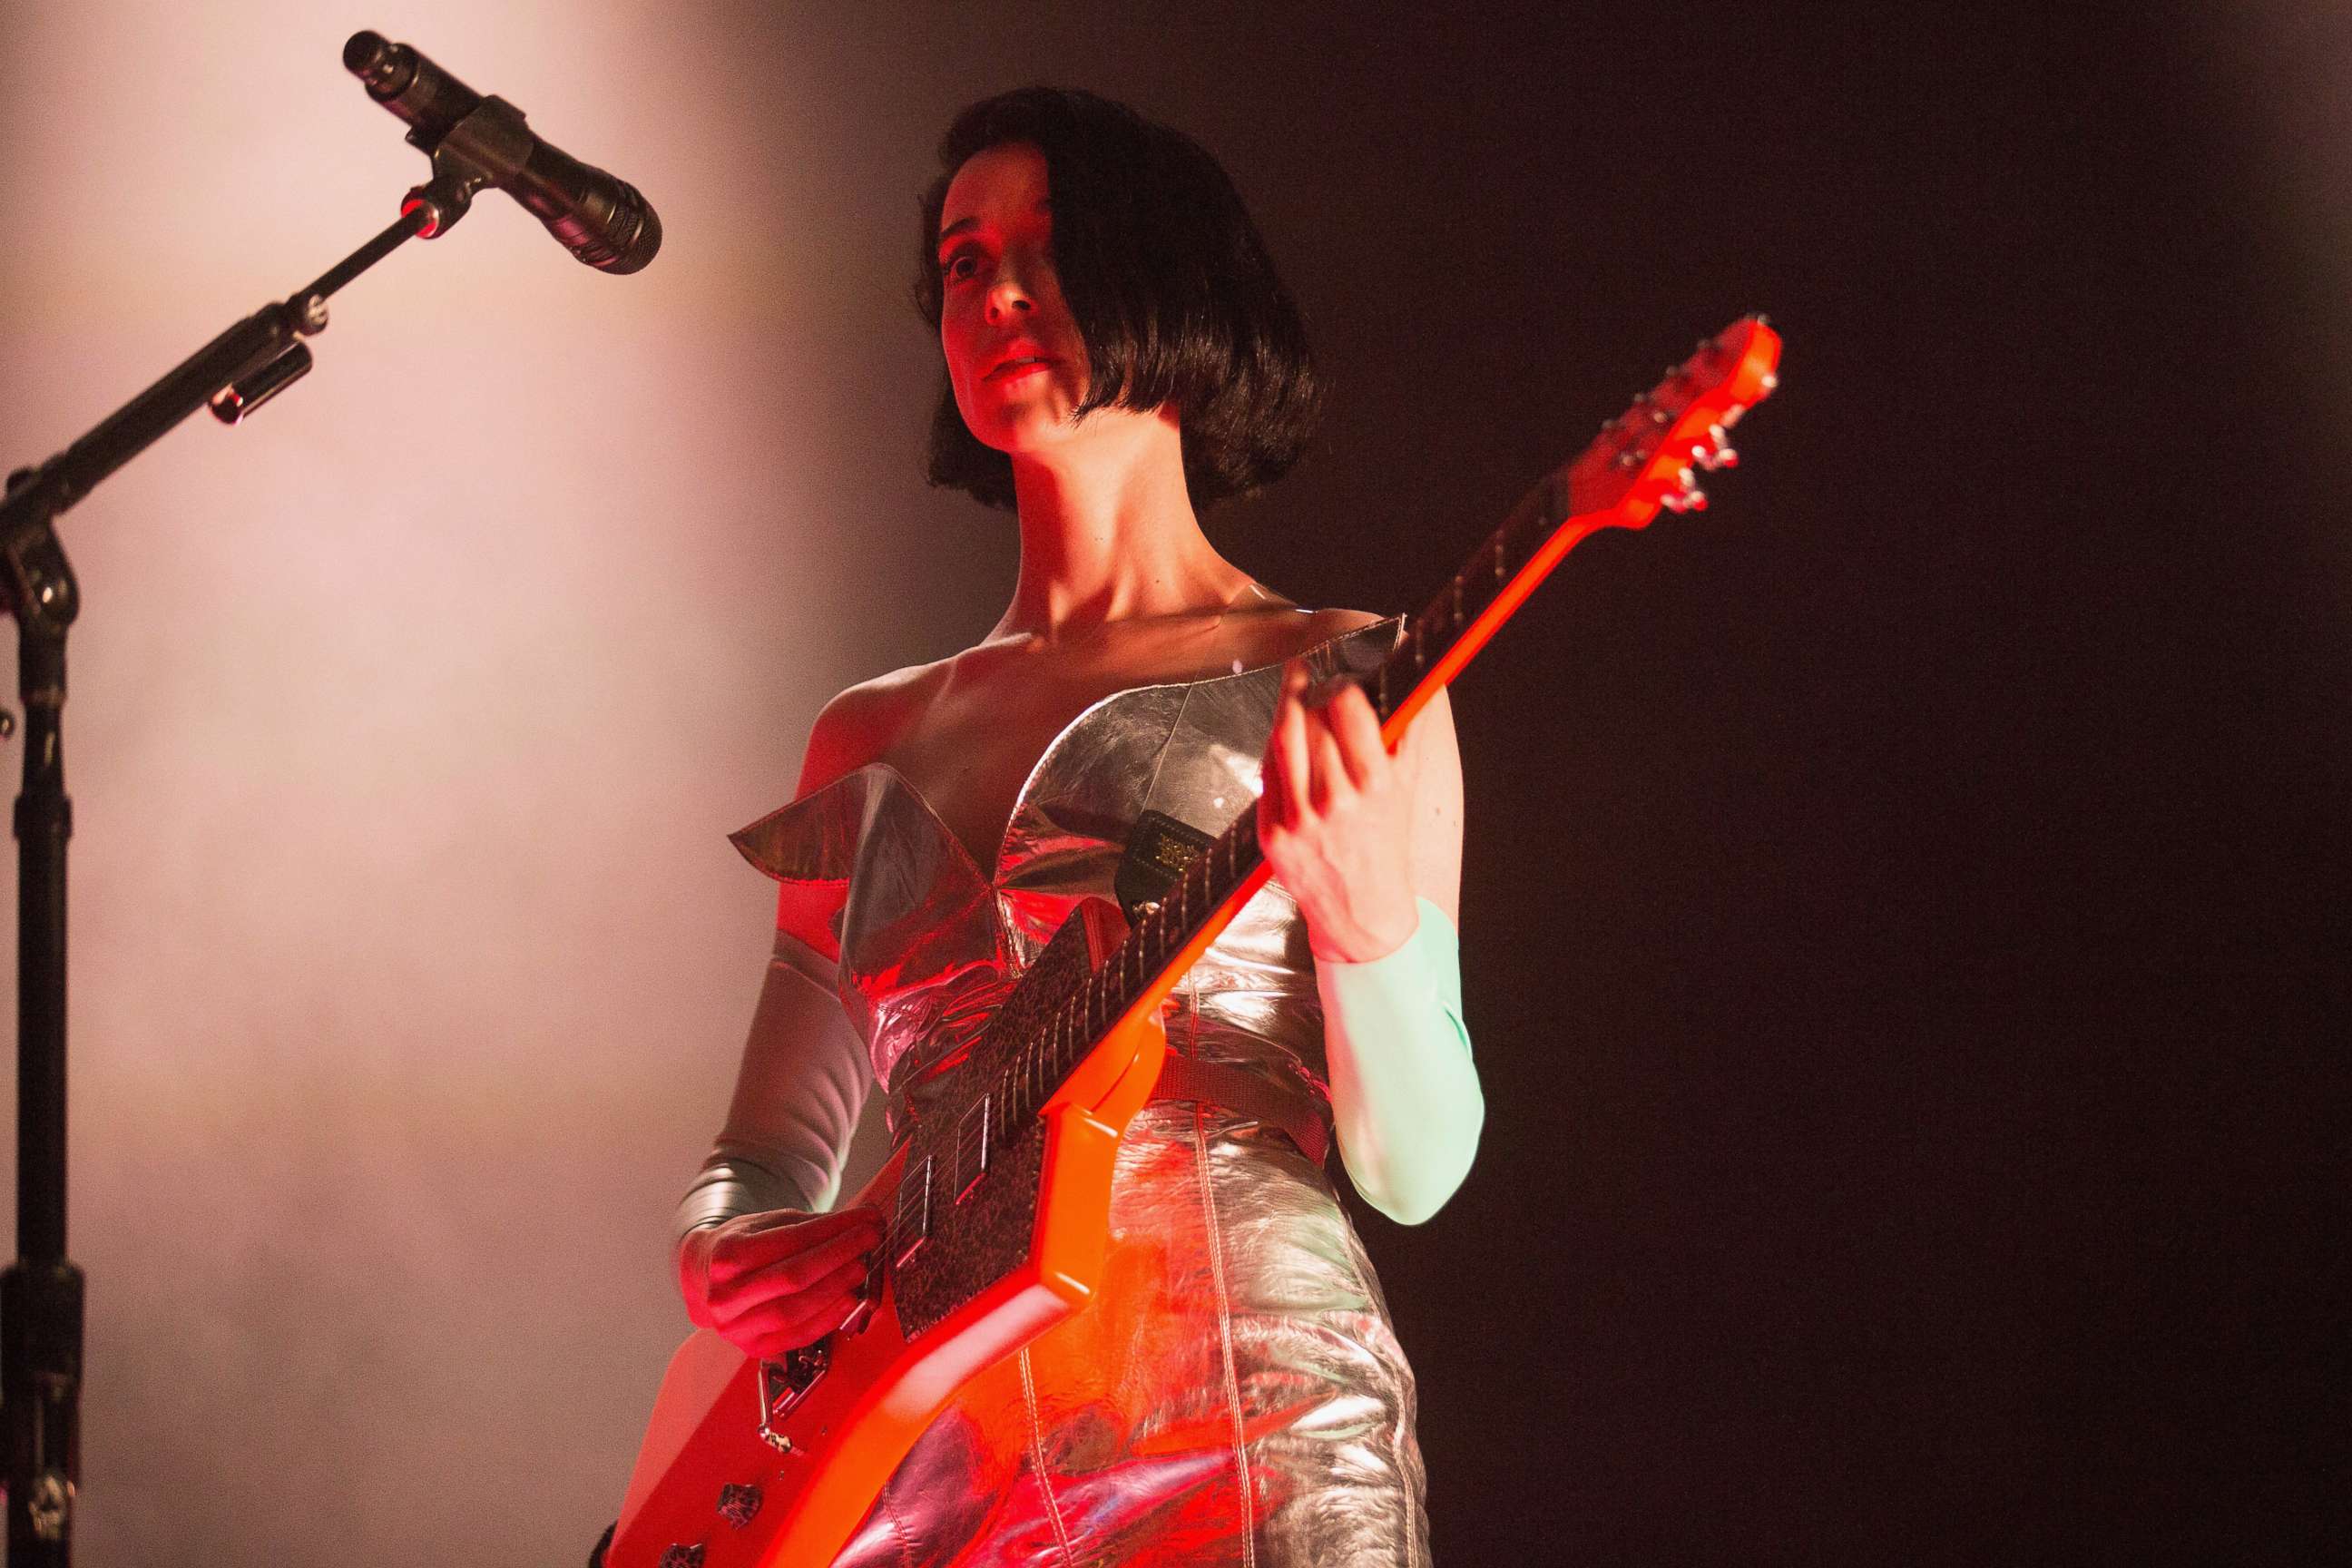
point(784, 1381)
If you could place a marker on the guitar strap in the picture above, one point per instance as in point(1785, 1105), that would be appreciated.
point(1292, 1111)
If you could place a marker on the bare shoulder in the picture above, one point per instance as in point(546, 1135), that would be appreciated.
point(859, 724)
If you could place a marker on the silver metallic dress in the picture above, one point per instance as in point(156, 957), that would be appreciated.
point(1234, 1394)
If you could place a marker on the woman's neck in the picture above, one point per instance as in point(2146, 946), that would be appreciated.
point(1108, 533)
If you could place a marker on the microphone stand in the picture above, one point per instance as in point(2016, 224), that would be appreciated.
point(41, 1293)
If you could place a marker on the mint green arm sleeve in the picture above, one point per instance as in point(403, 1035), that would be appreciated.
point(1404, 1091)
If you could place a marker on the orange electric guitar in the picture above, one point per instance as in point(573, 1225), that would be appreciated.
point(998, 1214)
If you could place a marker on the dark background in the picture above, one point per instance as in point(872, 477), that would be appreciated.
point(1903, 912)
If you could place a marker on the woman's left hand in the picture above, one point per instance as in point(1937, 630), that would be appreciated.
point(1336, 819)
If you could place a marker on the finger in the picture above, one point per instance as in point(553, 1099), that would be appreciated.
point(799, 1219)
point(1357, 729)
point(828, 1291)
point(776, 1327)
point(1270, 787)
point(814, 1262)
point(1329, 780)
point(804, 1249)
point(1290, 740)
point(754, 1310)
point(734, 1258)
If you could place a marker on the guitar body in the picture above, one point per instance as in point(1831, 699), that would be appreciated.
point(773, 1462)
point(999, 1206)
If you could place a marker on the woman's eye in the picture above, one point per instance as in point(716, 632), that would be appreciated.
point(960, 266)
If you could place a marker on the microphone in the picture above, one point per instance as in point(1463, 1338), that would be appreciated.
point(600, 219)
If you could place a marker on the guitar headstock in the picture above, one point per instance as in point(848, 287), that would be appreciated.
point(1651, 455)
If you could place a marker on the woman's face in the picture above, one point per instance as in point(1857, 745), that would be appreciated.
point(1015, 360)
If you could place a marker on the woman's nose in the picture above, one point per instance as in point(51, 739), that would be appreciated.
point(1006, 297)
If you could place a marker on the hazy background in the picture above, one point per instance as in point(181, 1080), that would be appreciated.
point(1903, 914)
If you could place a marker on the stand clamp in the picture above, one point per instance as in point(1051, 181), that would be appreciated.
point(487, 147)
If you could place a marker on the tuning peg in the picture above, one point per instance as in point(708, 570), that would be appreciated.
point(1770, 382)
point(1684, 501)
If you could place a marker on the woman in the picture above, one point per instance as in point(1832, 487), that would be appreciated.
point(1117, 350)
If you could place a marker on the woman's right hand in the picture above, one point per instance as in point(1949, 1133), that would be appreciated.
point(769, 1283)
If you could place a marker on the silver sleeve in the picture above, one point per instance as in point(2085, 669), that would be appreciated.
point(804, 1082)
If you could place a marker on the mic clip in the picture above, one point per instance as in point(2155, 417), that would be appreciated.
point(487, 147)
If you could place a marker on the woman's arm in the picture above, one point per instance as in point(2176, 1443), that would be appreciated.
point(798, 1094)
point(1370, 846)
point(756, 1260)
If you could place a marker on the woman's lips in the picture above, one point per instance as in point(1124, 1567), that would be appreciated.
point(1012, 369)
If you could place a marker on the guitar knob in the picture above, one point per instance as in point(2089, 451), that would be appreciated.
point(738, 1505)
point(681, 1557)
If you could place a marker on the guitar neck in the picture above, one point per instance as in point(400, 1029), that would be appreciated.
point(1642, 462)
point(1431, 650)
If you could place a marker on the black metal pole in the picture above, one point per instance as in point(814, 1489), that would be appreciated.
point(41, 1293)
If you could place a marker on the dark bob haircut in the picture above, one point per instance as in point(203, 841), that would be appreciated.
point(1166, 280)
